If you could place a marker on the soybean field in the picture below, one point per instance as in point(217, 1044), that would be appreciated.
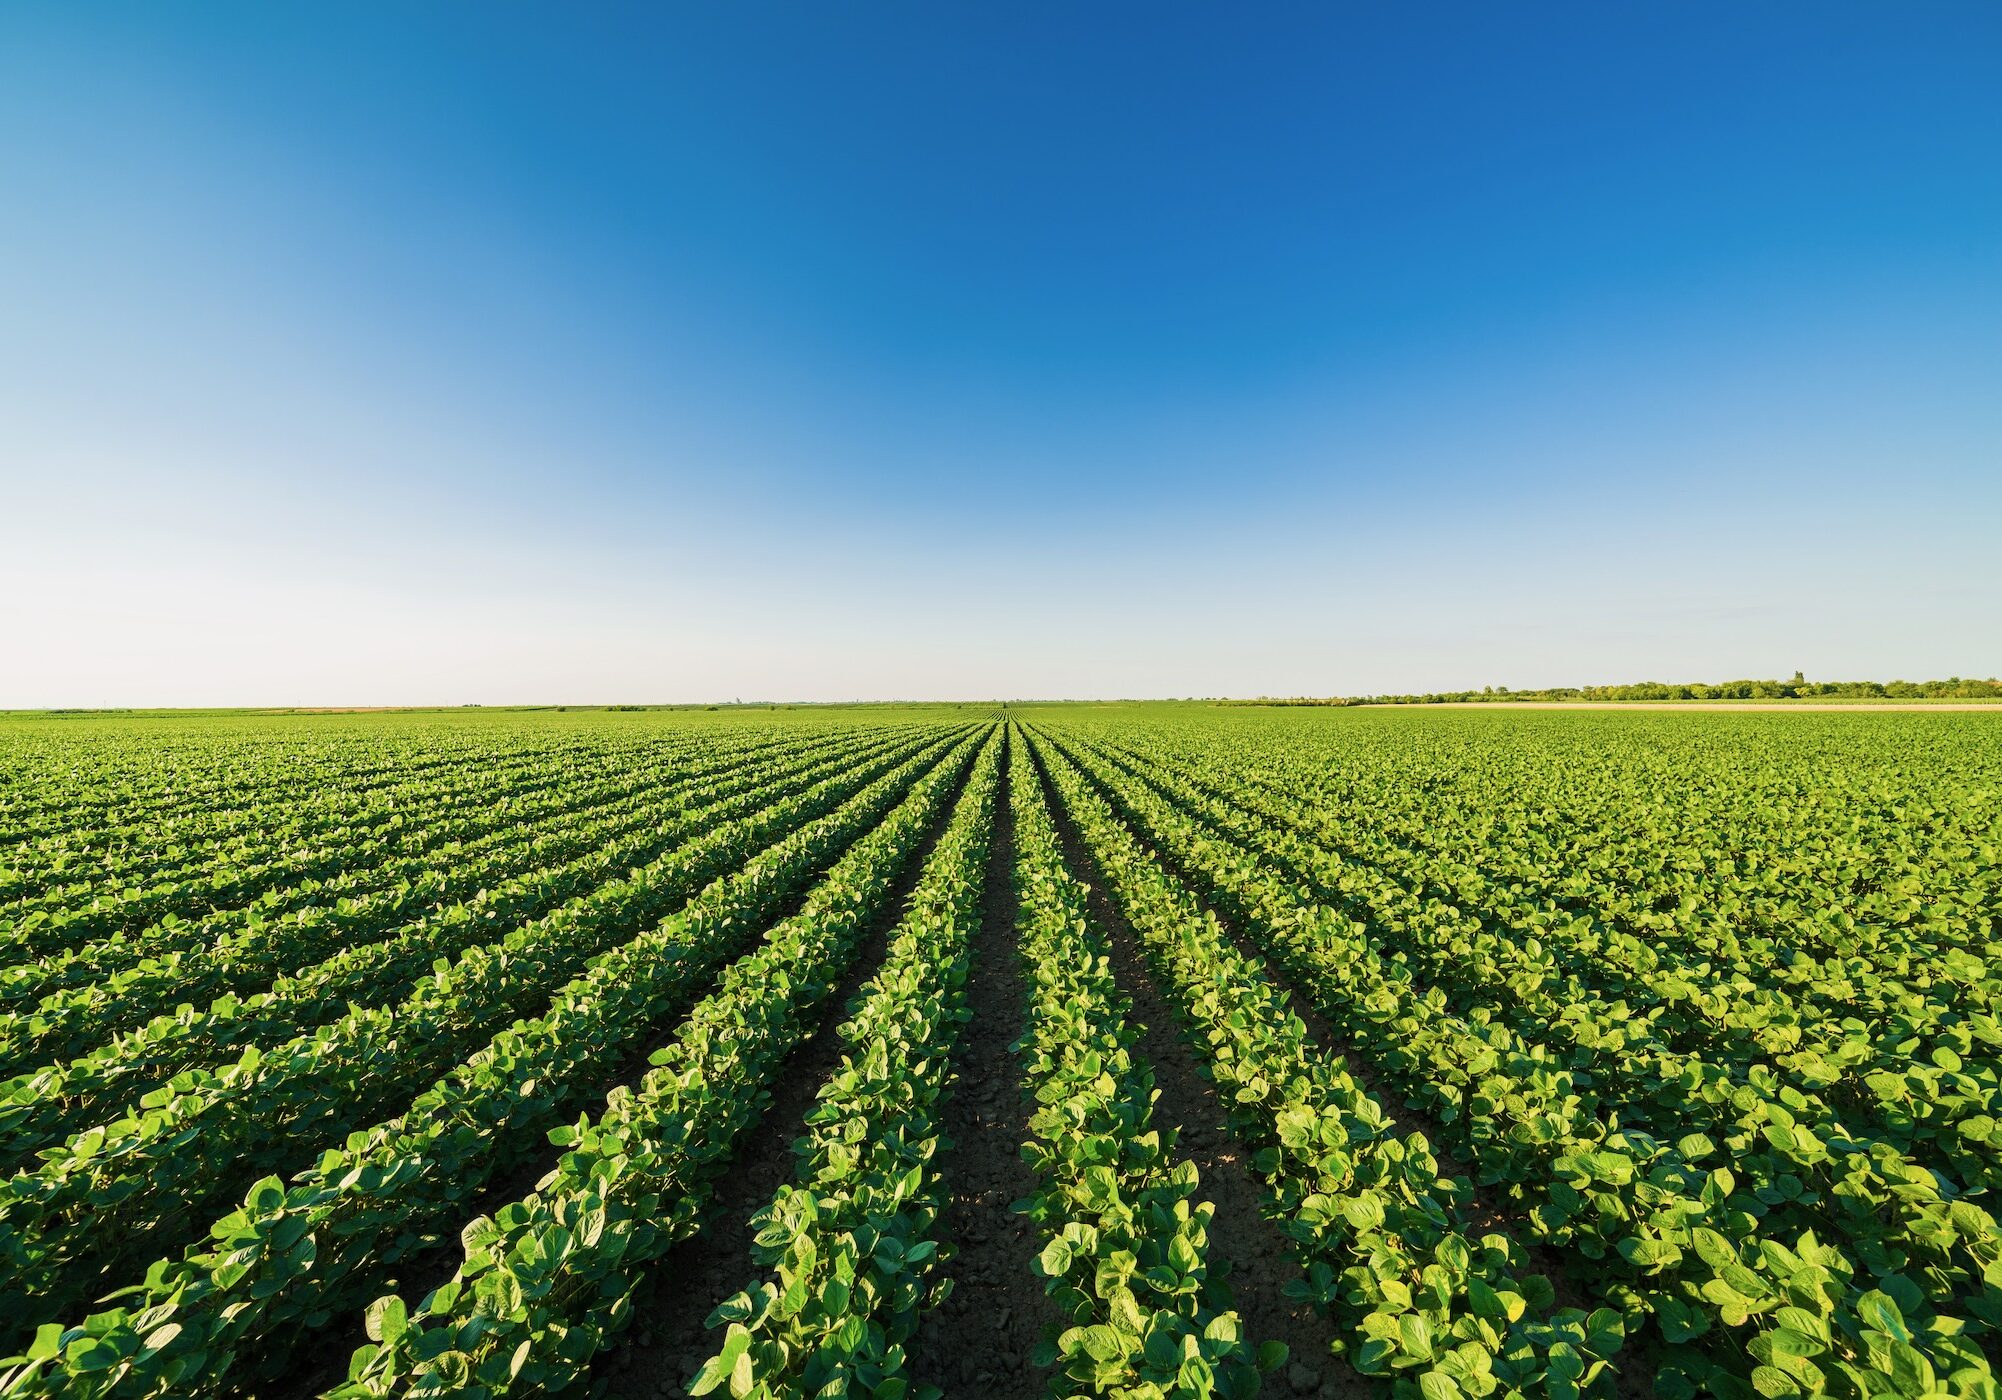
point(894, 1052)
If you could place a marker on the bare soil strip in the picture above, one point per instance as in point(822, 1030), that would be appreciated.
point(979, 1340)
point(1259, 1257)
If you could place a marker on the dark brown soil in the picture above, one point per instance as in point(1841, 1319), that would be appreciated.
point(669, 1338)
point(1259, 1259)
point(979, 1340)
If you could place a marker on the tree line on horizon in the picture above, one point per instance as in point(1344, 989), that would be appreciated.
point(1799, 688)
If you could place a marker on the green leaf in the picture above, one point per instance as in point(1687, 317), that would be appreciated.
point(1879, 1312)
point(386, 1319)
point(1055, 1258)
point(1436, 1385)
point(1774, 1383)
point(723, 1364)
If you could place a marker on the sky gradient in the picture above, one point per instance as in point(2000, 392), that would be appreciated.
point(429, 354)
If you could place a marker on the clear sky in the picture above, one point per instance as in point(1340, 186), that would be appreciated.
point(440, 353)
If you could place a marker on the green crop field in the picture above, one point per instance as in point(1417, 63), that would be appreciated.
point(1140, 1051)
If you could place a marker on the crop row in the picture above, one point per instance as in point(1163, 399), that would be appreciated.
point(1653, 1041)
point(850, 1244)
point(365, 870)
point(1126, 1253)
point(1384, 1239)
point(183, 870)
point(1668, 1235)
point(1880, 966)
point(209, 789)
point(126, 1191)
point(1566, 1059)
point(291, 847)
point(303, 1252)
point(547, 1280)
point(1724, 863)
point(36, 1106)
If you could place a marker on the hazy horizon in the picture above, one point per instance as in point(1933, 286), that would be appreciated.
point(427, 356)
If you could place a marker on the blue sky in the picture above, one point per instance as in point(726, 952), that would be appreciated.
point(380, 354)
